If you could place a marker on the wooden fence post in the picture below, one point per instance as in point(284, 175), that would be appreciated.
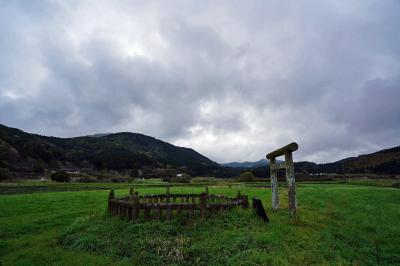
point(111, 196)
point(239, 195)
point(203, 204)
point(147, 213)
point(259, 208)
point(179, 211)
point(135, 206)
point(245, 202)
point(159, 215)
point(120, 208)
point(169, 210)
point(127, 210)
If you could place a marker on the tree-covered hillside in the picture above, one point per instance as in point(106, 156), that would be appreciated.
point(21, 151)
point(147, 156)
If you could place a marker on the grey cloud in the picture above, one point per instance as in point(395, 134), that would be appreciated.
point(230, 79)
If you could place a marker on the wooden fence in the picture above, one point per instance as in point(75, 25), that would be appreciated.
point(167, 205)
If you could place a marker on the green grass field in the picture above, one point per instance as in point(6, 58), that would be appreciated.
point(339, 224)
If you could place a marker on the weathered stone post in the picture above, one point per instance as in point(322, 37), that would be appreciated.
point(288, 166)
point(274, 184)
point(291, 184)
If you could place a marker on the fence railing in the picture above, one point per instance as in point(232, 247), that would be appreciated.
point(167, 205)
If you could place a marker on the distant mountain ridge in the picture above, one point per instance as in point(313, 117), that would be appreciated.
point(259, 163)
point(21, 151)
point(98, 135)
point(125, 151)
point(386, 161)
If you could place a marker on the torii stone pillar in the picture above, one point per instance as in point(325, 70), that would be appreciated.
point(288, 166)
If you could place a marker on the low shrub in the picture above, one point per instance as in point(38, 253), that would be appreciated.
point(396, 185)
point(133, 173)
point(118, 180)
point(246, 177)
point(4, 173)
point(60, 176)
point(86, 180)
point(38, 168)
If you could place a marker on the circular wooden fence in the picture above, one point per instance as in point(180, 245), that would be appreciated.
point(156, 207)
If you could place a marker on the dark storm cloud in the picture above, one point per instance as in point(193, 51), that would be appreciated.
point(230, 79)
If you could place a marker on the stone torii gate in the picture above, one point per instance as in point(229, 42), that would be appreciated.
point(288, 166)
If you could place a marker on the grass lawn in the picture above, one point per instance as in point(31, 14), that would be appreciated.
point(339, 224)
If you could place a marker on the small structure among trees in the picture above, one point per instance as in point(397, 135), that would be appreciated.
point(289, 169)
point(60, 176)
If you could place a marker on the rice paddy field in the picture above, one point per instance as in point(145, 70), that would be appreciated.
point(354, 223)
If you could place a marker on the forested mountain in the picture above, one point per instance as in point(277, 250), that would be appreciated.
point(25, 152)
point(384, 161)
point(21, 151)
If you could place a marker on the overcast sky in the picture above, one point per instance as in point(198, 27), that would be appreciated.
point(231, 79)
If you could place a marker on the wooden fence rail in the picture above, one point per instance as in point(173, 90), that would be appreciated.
point(166, 205)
